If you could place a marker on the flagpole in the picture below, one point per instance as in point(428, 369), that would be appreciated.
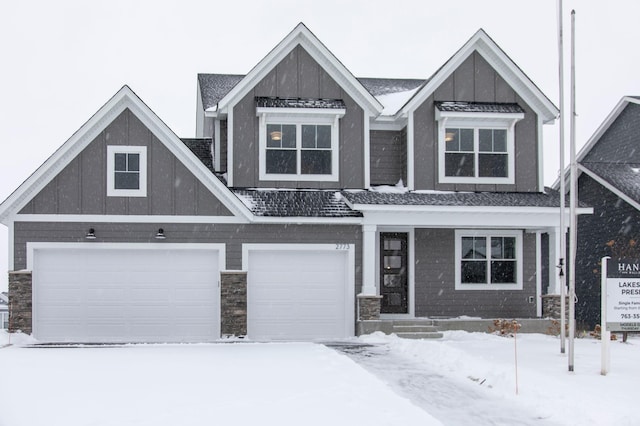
point(562, 232)
point(574, 189)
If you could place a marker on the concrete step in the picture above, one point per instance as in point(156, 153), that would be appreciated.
point(419, 335)
point(415, 321)
point(414, 328)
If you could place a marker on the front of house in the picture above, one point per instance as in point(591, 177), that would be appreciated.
point(311, 205)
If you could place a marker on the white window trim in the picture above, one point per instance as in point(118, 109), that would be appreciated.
point(126, 149)
point(299, 117)
point(477, 121)
point(518, 285)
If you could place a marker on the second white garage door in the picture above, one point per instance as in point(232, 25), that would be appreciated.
point(301, 292)
point(126, 293)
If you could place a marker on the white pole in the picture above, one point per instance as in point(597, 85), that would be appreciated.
point(605, 336)
point(572, 201)
point(562, 234)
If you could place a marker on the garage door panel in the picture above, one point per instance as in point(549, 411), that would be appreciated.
point(298, 294)
point(126, 295)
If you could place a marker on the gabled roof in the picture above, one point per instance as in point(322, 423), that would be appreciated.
point(214, 87)
point(502, 63)
point(616, 174)
point(305, 38)
point(125, 98)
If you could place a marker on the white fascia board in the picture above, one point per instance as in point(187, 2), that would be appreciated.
point(211, 114)
point(610, 187)
point(388, 123)
point(547, 218)
point(305, 38)
point(166, 219)
point(478, 116)
point(309, 220)
point(458, 209)
point(123, 99)
point(502, 64)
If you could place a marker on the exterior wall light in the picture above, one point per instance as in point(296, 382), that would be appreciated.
point(160, 234)
point(91, 235)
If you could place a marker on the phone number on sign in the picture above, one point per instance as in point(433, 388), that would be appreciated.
point(630, 316)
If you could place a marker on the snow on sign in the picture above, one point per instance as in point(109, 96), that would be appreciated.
point(623, 295)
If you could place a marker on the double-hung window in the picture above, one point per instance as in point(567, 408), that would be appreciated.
point(477, 146)
point(488, 260)
point(126, 171)
point(299, 143)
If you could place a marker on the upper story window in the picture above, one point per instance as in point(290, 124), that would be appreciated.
point(476, 142)
point(299, 138)
point(126, 171)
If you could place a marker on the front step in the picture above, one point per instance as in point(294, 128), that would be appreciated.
point(416, 329)
point(420, 335)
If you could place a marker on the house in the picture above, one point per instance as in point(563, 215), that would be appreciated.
point(284, 218)
point(609, 181)
point(4, 311)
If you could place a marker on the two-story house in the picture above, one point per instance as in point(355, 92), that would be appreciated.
point(311, 205)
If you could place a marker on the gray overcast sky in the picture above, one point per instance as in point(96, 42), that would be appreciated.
point(60, 61)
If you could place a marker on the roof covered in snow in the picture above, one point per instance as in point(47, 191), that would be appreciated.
point(275, 102)
point(201, 147)
point(303, 203)
point(213, 87)
point(503, 108)
point(549, 198)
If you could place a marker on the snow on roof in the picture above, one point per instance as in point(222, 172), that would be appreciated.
point(392, 102)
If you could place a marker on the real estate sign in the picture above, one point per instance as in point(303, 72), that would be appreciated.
point(623, 295)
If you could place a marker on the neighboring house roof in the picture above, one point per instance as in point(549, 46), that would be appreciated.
point(274, 102)
point(125, 98)
point(549, 198)
point(279, 203)
point(623, 177)
point(502, 108)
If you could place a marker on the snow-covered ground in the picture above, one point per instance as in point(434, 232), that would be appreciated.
point(464, 378)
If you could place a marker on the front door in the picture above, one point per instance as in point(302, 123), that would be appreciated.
point(393, 273)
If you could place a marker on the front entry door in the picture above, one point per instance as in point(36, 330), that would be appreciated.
point(393, 273)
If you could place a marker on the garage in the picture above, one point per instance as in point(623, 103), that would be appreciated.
point(103, 292)
point(299, 291)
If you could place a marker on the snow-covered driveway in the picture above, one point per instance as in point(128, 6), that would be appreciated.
point(213, 384)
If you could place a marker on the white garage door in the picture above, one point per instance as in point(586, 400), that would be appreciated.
point(101, 294)
point(299, 294)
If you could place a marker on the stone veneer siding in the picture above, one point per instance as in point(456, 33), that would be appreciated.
point(20, 302)
point(233, 303)
point(369, 307)
point(551, 306)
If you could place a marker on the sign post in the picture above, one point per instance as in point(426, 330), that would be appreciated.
point(620, 300)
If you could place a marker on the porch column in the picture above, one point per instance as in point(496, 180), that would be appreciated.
point(369, 260)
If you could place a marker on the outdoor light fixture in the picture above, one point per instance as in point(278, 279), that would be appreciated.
point(91, 235)
point(160, 234)
point(276, 136)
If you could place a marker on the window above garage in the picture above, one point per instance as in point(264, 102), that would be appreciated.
point(126, 171)
point(476, 142)
point(299, 138)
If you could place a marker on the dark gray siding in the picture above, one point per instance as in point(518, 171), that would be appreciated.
point(297, 75)
point(619, 144)
point(231, 235)
point(435, 282)
point(223, 146)
point(81, 187)
point(387, 157)
point(474, 81)
point(612, 220)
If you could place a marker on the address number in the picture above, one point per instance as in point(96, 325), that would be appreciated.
point(342, 246)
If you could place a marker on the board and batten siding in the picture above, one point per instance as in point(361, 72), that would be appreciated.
point(387, 154)
point(435, 281)
point(230, 234)
point(474, 81)
point(298, 75)
point(81, 187)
